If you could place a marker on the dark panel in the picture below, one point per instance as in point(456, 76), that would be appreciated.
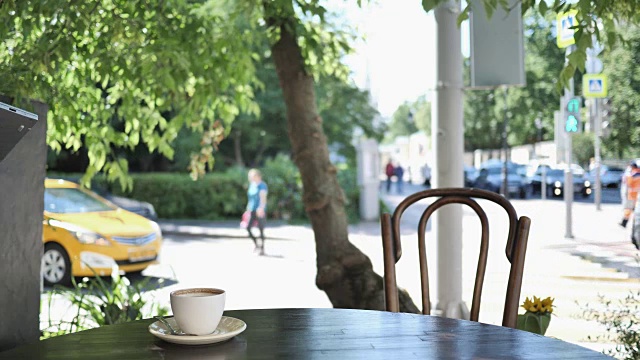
point(15, 123)
point(22, 175)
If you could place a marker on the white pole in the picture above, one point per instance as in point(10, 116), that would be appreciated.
point(568, 190)
point(447, 136)
point(598, 132)
point(568, 174)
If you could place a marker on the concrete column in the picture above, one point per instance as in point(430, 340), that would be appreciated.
point(369, 179)
point(448, 133)
point(598, 158)
point(22, 175)
point(568, 174)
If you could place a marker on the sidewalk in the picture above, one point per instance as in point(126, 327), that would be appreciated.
point(553, 266)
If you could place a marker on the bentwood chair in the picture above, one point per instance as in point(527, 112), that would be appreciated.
point(515, 250)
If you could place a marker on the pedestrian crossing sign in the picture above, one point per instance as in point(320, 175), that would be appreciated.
point(564, 28)
point(594, 85)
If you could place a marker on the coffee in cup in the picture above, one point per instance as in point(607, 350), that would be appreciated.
point(198, 311)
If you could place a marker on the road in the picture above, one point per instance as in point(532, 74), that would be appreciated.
point(609, 196)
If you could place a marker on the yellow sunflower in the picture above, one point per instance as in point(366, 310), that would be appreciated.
point(547, 305)
point(528, 305)
point(538, 305)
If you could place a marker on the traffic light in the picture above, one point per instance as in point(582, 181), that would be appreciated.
point(606, 109)
point(572, 115)
point(606, 117)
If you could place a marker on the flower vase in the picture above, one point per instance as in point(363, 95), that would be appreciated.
point(534, 322)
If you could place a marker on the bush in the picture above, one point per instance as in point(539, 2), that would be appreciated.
point(177, 196)
point(348, 179)
point(621, 318)
point(97, 302)
point(223, 195)
point(285, 188)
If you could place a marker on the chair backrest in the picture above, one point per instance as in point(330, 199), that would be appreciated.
point(515, 249)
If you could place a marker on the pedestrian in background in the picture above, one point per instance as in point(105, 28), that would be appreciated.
point(623, 185)
point(389, 171)
point(426, 172)
point(399, 173)
point(257, 205)
point(633, 187)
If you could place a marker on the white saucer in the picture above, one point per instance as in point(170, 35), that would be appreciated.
point(228, 328)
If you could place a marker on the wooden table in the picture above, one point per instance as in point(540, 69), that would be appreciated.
point(316, 334)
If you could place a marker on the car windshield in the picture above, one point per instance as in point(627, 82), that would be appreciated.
point(555, 172)
point(72, 200)
point(498, 171)
point(520, 170)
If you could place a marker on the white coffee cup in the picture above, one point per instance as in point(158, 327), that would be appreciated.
point(198, 311)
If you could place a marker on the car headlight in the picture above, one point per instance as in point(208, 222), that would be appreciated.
point(156, 228)
point(83, 235)
point(557, 184)
point(91, 238)
point(587, 183)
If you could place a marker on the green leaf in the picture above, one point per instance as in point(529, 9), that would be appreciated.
point(543, 7)
point(429, 5)
point(577, 59)
point(464, 15)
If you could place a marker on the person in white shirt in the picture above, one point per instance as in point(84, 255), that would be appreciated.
point(426, 173)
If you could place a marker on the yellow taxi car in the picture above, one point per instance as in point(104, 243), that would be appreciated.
point(84, 233)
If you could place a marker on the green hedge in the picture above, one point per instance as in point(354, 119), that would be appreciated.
point(223, 195)
point(177, 196)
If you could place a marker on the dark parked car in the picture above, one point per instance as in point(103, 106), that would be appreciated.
point(135, 206)
point(610, 176)
point(555, 183)
point(470, 175)
point(491, 178)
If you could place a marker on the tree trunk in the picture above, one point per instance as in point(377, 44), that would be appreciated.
point(237, 147)
point(344, 272)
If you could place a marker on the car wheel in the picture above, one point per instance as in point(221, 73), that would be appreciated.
point(56, 267)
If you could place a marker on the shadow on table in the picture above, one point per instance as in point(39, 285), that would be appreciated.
point(235, 348)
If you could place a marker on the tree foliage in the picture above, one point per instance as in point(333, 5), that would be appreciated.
point(583, 148)
point(484, 109)
point(118, 73)
point(621, 67)
point(410, 117)
point(481, 125)
point(543, 61)
point(344, 108)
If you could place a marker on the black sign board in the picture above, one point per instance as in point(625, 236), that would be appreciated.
point(14, 124)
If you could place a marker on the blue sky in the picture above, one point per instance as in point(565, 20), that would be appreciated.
point(398, 49)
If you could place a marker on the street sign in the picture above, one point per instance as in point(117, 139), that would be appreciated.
point(572, 115)
point(594, 85)
point(497, 46)
point(593, 65)
point(564, 24)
